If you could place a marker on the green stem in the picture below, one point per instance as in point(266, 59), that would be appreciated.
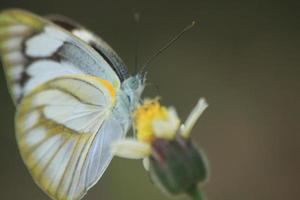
point(195, 194)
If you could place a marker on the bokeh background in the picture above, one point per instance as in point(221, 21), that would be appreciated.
point(243, 56)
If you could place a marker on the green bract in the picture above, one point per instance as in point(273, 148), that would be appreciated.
point(177, 166)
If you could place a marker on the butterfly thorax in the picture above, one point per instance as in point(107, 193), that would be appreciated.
point(127, 100)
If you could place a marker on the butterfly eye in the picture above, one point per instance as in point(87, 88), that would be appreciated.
point(134, 84)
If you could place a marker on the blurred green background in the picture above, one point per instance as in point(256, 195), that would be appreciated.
point(243, 56)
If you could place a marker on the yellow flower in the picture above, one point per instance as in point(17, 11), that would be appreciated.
point(145, 115)
point(173, 161)
point(153, 121)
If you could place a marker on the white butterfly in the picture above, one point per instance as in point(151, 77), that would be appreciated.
point(73, 96)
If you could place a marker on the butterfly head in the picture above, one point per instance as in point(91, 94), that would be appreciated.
point(133, 88)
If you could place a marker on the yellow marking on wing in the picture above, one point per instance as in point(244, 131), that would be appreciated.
point(106, 84)
point(103, 82)
point(23, 17)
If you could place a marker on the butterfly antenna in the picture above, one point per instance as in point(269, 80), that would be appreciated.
point(137, 21)
point(163, 48)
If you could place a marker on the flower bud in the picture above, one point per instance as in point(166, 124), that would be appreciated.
point(176, 166)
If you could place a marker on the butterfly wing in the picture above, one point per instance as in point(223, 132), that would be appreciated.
point(64, 128)
point(94, 41)
point(34, 50)
point(65, 93)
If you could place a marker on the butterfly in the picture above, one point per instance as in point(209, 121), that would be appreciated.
point(73, 95)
